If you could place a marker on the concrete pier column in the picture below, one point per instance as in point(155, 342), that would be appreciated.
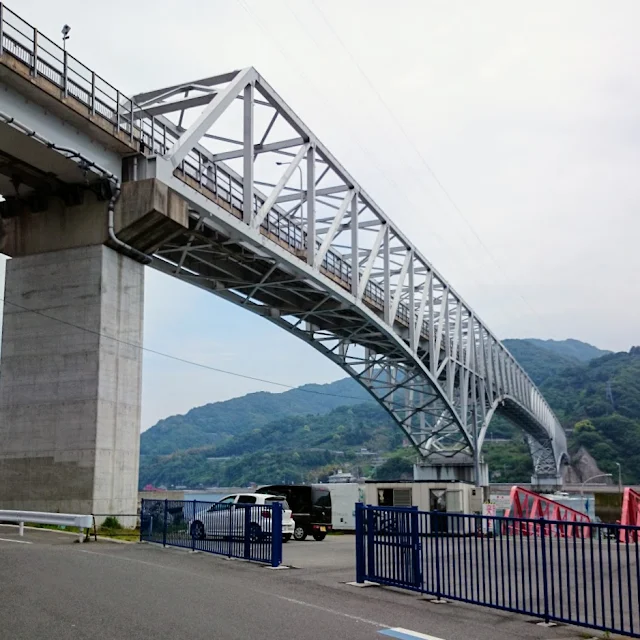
point(70, 397)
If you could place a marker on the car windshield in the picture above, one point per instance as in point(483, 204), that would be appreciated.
point(282, 501)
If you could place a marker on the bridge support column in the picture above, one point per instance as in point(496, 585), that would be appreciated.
point(70, 398)
point(546, 483)
point(459, 468)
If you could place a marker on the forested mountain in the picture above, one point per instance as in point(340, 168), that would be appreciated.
point(216, 422)
point(544, 358)
point(285, 450)
point(598, 403)
point(575, 349)
point(297, 435)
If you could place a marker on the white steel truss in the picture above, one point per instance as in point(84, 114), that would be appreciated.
point(280, 227)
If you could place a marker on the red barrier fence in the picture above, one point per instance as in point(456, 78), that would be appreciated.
point(528, 504)
point(630, 515)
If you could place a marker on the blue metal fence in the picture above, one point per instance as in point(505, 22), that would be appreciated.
point(248, 531)
point(577, 573)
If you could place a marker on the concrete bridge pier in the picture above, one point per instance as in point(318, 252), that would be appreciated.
point(71, 367)
point(459, 467)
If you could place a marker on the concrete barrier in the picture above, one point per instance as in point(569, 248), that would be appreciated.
point(41, 517)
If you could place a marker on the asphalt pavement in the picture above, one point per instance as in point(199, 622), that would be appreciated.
point(53, 587)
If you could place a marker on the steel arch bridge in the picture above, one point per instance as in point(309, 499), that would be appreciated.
point(317, 257)
point(324, 262)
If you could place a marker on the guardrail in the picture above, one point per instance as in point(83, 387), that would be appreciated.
point(247, 531)
point(83, 522)
point(515, 564)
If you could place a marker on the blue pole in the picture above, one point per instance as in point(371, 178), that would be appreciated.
point(276, 535)
point(164, 524)
point(359, 542)
point(436, 521)
point(193, 538)
point(416, 556)
point(247, 531)
point(545, 575)
point(141, 504)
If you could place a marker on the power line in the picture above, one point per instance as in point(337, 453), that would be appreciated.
point(176, 358)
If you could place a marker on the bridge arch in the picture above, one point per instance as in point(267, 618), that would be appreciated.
point(329, 266)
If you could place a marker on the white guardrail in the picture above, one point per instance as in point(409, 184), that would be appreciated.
point(42, 517)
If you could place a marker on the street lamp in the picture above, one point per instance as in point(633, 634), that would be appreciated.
point(600, 475)
point(280, 164)
point(65, 36)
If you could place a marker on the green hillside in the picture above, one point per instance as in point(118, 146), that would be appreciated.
point(581, 351)
point(283, 450)
point(539, 363)
point(216, 422)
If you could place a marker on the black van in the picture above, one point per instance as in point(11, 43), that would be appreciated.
point(311, 507)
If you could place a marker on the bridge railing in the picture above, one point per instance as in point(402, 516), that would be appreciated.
point(591, 580)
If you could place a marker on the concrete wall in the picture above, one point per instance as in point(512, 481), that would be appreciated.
point(70, 399)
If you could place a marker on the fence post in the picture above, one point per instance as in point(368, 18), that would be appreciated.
point(371, 570)
point(276, 535)
point(164, 523)
point(416, 547)
point(141, 520)
point(247, 531)
point(545, 574)
point(359, 542)
point(436, 521)
point(193, 538)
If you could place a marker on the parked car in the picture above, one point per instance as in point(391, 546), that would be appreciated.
point(228, 516)
point(311, 506)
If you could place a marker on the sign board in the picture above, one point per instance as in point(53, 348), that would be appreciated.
point(488, 509)
point(501, 500)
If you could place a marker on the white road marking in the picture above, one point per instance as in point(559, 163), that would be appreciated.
point(18, 541)
point(332, 611)
point(406, 634)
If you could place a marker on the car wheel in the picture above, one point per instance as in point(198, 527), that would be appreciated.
point(299, 534)
point(197, 530)
point(255, 532)
point(319, 536)
point(286, 537)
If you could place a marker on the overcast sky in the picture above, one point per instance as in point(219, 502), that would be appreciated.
point(527, 113)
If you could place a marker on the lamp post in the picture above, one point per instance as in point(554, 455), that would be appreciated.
point(65, 36)
point(600, 475)
point(619, 477)
point(280, 164)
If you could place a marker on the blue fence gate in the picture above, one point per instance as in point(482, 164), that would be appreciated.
point(579, 573)
point(248, 531)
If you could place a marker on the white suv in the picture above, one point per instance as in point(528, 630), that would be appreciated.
point(225, 519)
